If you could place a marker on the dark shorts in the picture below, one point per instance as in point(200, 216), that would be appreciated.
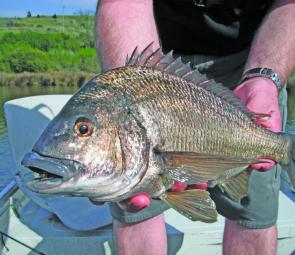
point(260, 208)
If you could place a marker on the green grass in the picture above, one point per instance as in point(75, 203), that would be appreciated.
point(73, 25)
point(47, 44)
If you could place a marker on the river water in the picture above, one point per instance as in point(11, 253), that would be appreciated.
point(8, 93)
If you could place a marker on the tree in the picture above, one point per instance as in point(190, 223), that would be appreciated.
point(54, 16)
point(29, 14)
point(38, 16)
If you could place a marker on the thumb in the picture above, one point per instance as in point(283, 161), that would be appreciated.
point(136, 203)
point(265, 164)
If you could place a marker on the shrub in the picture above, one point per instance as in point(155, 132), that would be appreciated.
point(4, 67)
point(10, 23)
point(83, 60)
point(42, 41)
point(47, 51)
point(24, 58)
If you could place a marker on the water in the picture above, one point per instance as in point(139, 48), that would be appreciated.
point(8, 93)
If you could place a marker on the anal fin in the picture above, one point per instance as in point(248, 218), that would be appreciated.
point(194, 204)
point(236, 186)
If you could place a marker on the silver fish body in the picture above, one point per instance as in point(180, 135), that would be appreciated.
point(143, 126)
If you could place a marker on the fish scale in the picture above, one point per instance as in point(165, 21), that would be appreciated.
point(171, 97)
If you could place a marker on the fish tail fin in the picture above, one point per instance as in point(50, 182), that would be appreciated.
point(194, 204)
point(290, 166)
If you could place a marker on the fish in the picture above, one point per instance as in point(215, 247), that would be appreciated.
point(148, 124)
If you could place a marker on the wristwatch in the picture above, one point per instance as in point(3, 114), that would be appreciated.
point(266, 73)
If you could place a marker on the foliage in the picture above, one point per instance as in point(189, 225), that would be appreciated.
point(83, 59)
point(42, 41)
point(51, 50)
point(29, 14)
point(27, 59)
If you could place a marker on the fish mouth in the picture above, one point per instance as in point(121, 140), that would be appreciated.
point(53, 172)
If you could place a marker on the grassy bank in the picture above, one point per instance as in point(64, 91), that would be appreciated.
point(75, 79)
point(72, 25)
point(47, 44)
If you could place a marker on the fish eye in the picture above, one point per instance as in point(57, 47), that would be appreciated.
point(83, 127)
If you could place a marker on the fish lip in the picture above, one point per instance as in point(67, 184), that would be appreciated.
point(61, 168)
point(44, 186)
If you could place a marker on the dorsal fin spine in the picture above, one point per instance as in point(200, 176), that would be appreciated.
point(146, 63)
point(167, 63)
point(142, 54)
point(133, 56)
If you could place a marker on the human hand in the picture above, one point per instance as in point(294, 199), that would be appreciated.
point(143, 200)
point(134, 204)
point(260, 95)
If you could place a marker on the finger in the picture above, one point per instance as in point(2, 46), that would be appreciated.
point(267, 164)
point(140, 200)
point(261, 116)
point(200, 185)
point(271, 108)
point(264, 125)
point(178, 186)
point(253, 94)
point(263, 120)
point(136, 203)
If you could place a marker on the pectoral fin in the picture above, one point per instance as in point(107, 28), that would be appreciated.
point(193, 204)
point(194, 167)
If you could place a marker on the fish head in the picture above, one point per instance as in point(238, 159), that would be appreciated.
point(94, 147)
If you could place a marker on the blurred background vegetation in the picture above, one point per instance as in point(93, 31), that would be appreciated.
point(47, 50)
point(57, 48)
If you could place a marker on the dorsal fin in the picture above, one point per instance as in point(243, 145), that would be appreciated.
point(226, 94)
point(133, 58)
point(168, 64)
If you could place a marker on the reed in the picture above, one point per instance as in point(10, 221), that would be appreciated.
point(45, 79)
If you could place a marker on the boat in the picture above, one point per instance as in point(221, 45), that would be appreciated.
point(40, 224)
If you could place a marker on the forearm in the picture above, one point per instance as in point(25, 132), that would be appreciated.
point(121, 26)
point(274, 44)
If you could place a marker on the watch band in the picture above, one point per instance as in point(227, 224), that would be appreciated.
point(264, 72)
